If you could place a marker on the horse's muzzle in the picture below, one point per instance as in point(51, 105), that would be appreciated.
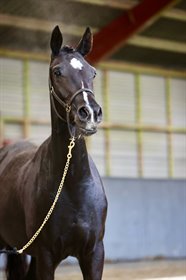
point(88, 118)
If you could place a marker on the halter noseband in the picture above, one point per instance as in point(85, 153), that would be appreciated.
point(67, 105)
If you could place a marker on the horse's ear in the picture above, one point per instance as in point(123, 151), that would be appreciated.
point(56, 41)
point(86, 42)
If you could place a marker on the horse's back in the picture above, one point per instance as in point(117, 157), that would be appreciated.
point(10, 153)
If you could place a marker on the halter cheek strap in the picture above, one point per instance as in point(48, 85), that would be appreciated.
point(67, 105)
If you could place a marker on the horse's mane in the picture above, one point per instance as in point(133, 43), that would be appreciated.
point(68, 49)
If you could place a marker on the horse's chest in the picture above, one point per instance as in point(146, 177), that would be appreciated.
point(78, 223)
point(81, 231)
point(82, 224)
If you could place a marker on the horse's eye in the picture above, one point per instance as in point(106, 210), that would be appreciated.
point(57, 73)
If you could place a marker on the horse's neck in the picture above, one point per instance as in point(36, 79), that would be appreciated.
point(60, 139)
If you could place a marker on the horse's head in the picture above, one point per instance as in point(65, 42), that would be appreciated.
point(71, 83)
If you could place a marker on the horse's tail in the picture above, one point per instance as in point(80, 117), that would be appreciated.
point(16, 267)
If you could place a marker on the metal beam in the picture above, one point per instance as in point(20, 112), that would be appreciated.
point(156, 43)
point(175, 14)
point(141, 68)
point(125, 5)
point(104, 65)
point(115, 34)
point(40, 25)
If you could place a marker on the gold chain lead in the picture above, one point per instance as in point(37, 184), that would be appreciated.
point(50, 211)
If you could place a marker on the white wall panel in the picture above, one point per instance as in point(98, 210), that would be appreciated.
point(98, 87)
point(39, 133)
point(121, 88)
point(11, 89)
point(178, 98)
point(97, 150)
point(39, 91)
point(123, 154)
point(153, 100)
point(155, 163)
point(179, 155)
point(13, 131)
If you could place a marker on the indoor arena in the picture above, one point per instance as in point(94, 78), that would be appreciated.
point(108, 79)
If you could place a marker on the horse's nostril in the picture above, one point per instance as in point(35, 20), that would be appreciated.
point(98, 114)
point(83, 113)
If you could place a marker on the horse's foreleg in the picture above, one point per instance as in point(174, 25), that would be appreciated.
point(45, 267)
point(92, 264)
point(16, 267)
point(31, 274)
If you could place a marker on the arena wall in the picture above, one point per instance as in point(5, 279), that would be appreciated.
point(146, 219)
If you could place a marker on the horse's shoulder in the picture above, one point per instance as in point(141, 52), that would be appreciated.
point(94, 172)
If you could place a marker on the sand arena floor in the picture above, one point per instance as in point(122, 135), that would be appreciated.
point(172, 270)
point(149, 270)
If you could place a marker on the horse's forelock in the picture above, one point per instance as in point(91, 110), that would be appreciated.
point(68, 49)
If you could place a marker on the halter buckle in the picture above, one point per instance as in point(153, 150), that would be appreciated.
point(51, 89)
point(68, 108)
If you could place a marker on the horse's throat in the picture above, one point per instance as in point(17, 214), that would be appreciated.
point(79, 163)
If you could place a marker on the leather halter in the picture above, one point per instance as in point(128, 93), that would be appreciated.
point(66, 105)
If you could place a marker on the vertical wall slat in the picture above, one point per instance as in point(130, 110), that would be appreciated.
point(138, 121)
point(26, 94)
point(169, 135)
point(106, 99)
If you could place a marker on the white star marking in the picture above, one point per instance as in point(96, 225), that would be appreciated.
point(76, 64)
point(85, 97)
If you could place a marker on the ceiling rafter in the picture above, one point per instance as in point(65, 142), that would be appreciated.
point(41, 25)
point(127, 4)
point(114, 35)
point(47, 26)
point(175, 14)
point(76, 30)
point(156, 43)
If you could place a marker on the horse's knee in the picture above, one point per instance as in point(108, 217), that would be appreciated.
point(92, 264)
point(45, 268)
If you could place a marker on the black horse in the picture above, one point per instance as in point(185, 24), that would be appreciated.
point(30, 176)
